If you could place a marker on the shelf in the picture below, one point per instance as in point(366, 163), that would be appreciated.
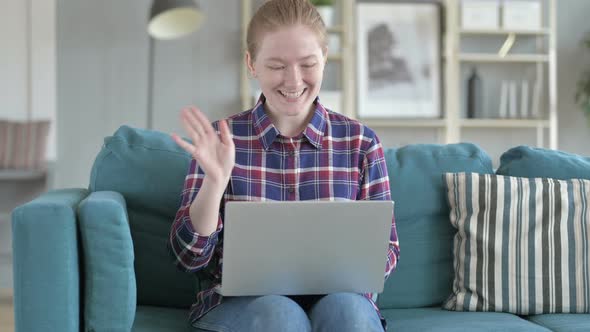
point(515, 58)
point(335, 57)
point(335, 29)
point(504, 123)
point(410, 123)
point(15, 174)
point(538, 32)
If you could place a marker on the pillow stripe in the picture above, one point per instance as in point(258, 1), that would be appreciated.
point(23, 144)
point(584, 275)
point(521, 245)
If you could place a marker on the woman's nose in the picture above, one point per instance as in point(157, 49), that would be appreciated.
point(293, 76)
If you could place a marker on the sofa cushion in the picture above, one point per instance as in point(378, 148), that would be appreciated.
point(148, 169)
point(563, 322)
point(435, 319)
point(424, 273)
point(159, 319)
point(108, 263)
point(522, 244)
point(532, 162)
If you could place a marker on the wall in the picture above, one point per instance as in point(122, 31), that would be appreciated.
point(102, 75)
point(102, 79)
point(573, 59)
point(27, 82)
point(103, 82)
point(27, 62)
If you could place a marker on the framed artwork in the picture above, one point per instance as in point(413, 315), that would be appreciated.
point(398, 60)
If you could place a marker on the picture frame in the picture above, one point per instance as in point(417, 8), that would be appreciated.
point(398, 60)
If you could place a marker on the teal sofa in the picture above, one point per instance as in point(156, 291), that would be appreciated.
point(95, 259)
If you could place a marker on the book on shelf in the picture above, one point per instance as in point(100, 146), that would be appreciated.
point(524, 99)
point(512, 97)
point(536, 99)
point(503, 107)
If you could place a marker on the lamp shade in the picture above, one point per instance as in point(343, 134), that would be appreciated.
point(174, 18)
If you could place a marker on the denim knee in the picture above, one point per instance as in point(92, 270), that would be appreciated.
point(344, 312)
point(277, 313)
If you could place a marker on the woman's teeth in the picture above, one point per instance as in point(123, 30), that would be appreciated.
point(292, 94)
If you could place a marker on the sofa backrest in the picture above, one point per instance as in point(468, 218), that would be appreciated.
point(148, 169)
point(527, 161)
point(425, 270)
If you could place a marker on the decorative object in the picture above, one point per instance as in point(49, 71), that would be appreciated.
point(521, 15)
point(480, 14)
point(326, 10)
point(398, 60)
point(507, 45)
point(521, 244)
point(583, 87)
point(171, 19)
point(474, 95)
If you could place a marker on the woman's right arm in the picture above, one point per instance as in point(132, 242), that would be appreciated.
point(197, 224)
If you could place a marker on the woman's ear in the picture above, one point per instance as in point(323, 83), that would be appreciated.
point(325, 53)
point(250, 64)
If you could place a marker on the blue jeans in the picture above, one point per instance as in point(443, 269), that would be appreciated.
point(334, 312)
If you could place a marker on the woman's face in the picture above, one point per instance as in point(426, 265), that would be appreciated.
point(289, 67)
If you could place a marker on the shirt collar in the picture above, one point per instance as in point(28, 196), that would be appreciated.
point(267, 133)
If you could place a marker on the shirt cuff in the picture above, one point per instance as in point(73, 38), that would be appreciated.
point(200, 242)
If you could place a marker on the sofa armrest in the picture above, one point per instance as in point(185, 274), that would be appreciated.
point(110, 294)
point(46, 262)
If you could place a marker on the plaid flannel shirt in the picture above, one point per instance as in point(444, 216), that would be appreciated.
point(334, 158)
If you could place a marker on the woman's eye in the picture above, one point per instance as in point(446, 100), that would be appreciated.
point(309, 65)
point(275, 67)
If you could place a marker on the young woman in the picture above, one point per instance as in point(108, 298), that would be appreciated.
point(288, 147)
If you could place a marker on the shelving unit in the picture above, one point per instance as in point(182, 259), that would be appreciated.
point(543, 59)
point(501, 31)
point(450, 127)
point(483, 57)
point(21, 175)
point(405, 123)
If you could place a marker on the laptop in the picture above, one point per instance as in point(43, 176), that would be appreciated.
point(305, 247)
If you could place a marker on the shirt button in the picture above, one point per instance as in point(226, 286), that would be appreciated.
point(291, 190)
point(292, 153)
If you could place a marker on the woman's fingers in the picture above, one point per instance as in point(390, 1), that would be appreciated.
point(189, 130)
point(225, 133)
point(204, 122)
point(184, 144)
point(191, 118)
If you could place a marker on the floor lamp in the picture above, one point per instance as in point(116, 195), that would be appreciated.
point(169, 19)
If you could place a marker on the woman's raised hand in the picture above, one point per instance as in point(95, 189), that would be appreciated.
point(215, 154)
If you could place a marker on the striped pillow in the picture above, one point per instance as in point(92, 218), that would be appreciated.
point(522, 245)
point(23, 144)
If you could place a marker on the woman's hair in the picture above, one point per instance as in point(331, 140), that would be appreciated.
point(276, 14)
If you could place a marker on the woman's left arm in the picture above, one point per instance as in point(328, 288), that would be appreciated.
point(375, 186)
